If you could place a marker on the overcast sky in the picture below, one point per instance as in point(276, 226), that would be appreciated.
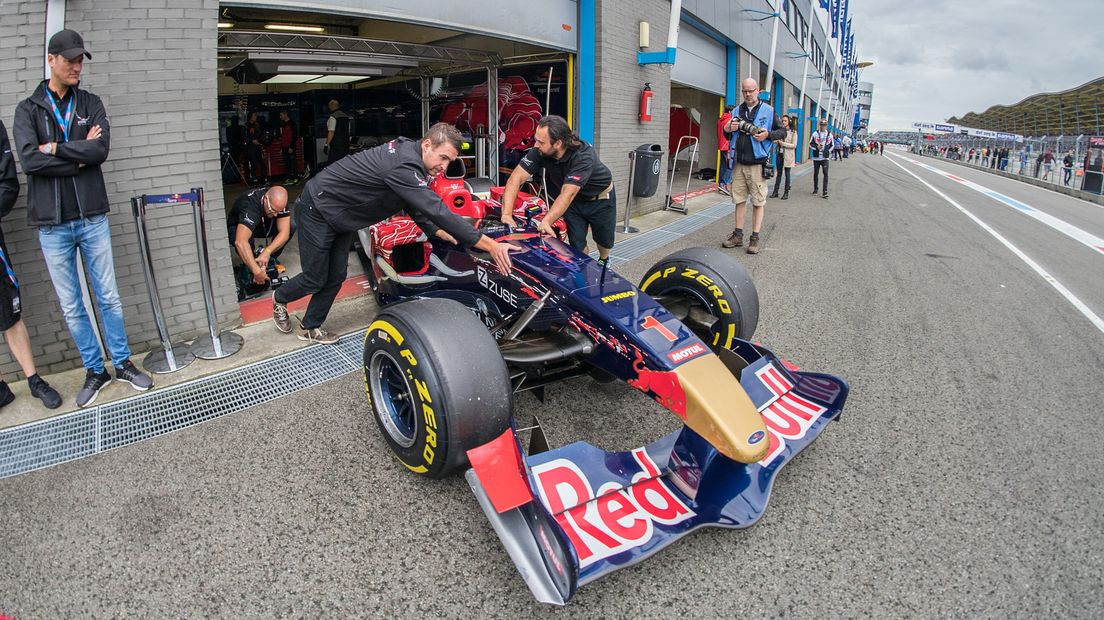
point(934, 59)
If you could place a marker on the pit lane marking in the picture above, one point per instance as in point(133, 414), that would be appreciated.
point(1092, 241)
point(1058, 286)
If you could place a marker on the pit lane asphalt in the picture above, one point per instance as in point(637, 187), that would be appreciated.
point(964, 479)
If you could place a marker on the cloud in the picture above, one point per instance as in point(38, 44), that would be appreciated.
point(940, 58)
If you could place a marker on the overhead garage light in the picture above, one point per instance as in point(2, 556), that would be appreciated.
point(290, 78)
point(294, 28)
point(339, 79)
point(333, 59)
point(361, 70)
point(225, 25)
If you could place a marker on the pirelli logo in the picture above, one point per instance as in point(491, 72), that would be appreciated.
point(608, 298)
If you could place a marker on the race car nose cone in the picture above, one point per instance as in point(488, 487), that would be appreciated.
point(718, 409)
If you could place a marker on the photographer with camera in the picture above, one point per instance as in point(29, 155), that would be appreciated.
point(754, 128)
point(820, 143)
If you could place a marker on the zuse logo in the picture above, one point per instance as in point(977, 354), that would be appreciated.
point(618, 518)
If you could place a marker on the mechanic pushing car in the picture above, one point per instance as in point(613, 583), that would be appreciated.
point(360, 190)
point(580, 185)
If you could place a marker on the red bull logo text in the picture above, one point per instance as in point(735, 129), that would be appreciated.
point(612, 519)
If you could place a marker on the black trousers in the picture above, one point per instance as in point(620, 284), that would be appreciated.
point(324, 258)
point(818, 165)
point(779, 171)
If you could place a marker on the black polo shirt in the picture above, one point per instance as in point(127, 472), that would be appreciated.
point(249, 212)
point(579, 166)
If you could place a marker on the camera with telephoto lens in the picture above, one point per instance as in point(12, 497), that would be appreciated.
point(749, 128)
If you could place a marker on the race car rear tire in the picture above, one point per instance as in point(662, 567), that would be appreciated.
point(436, 383)
point(713, 281)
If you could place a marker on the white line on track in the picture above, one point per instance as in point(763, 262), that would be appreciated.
point(1071, 231)
point(1058, 286)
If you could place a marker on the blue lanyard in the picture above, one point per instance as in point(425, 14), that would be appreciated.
point(7, 266)
point(62, 121)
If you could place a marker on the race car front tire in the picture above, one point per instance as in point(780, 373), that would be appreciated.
point(436, 383)
point(711, 281)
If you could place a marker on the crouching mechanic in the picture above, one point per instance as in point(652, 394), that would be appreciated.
point(360, 190)
point(752, 151)
point(580, 186)
point(260, 213)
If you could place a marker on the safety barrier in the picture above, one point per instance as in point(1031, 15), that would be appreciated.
point(174, 356)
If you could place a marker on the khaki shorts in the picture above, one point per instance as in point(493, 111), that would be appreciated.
point(748, 180)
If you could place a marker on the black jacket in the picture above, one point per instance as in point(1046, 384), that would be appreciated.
point(372, 185)
point(35, 125)
point(9, 183)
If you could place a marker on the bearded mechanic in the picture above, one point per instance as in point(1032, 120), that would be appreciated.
point(360, 190)
point(580, 185)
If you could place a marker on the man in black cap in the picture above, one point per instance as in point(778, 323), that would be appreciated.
point(63, 136)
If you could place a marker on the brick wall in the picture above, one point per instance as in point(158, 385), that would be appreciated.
point(153, 64)
point(620, 79)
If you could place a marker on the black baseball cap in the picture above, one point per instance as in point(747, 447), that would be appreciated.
point(68, 43)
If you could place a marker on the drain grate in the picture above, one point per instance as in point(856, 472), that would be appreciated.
point(91, 431)
point(113, 425)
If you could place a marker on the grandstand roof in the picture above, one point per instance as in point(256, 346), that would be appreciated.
point(1071, 112)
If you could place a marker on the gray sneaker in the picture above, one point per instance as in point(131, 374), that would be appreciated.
point(93, 383)
point(316, 334)
point(280, 316)
point(136, 378)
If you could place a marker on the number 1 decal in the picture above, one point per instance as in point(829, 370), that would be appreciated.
point(652, 323)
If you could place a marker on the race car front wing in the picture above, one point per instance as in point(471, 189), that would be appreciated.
point(571, 515)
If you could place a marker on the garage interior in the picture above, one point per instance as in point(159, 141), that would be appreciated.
point(393, 78)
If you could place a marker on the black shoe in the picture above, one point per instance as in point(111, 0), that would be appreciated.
point(42, 391)
point(786, 195)
point(774, 194)
point(93, 383)
point(6, 395)
point(815, 191)
point(136, 378)
point(825, 194)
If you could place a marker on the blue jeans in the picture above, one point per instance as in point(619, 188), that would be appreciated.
point(726, 169)
point(59, 246)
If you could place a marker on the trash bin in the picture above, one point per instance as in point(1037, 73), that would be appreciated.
point(645, 179)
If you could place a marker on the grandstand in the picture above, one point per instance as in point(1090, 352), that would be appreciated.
point(1070, 113)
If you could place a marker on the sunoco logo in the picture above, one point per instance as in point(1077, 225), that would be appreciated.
point(616, 296)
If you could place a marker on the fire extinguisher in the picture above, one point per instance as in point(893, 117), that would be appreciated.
point(646, 103)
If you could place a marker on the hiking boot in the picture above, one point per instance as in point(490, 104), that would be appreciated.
point(280, 316)
point(42, 391)
point(316, 334)
point(6, 395)
point(93, 383)
point(786, 195)
point(753, 245)
point(136, 378)
point(735, 240)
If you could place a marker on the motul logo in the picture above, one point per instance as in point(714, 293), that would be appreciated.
point(687, 353)
point(619, 518)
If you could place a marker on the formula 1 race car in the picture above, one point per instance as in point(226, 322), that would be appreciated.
point(455, 339)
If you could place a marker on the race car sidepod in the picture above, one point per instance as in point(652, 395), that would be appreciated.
point(573, 514)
